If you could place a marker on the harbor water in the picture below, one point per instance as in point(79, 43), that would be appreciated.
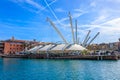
point(43, 69)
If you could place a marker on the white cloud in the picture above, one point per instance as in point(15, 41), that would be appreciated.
point(93, 4)
point(59, 10)
point(111, 27)
point(106, 17)
point(33, 3)
point(78, 10)
point(76, 14)
point(30, 2)
point(113, 22)
point(102, 16)
point(109, 30)
point(112, 1)
point(35, 6)
point(100, 19)
point(108, 27)
point(106, 20)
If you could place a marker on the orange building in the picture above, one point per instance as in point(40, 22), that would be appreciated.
point(1, 47)
point(13, 46)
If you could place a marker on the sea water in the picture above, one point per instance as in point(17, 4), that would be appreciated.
point(43, 69)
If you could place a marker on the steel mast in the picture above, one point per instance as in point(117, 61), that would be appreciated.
point(76, 31)
point(78, 40)
point(84, 42)
point(93, 38)
point(59, 33)
point(72, 28)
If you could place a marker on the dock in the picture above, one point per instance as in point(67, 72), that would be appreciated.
point(89, 57)
point(13, 56)
point(78, 57)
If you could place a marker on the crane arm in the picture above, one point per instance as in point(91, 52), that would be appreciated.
point(59, 33)
point(84, 42)
point(93, 38)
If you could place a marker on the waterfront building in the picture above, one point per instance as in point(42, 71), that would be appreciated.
point(1, 47)
point(13, 46)
point(105, 46)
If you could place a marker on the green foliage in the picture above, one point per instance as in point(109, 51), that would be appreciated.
point(84, 52)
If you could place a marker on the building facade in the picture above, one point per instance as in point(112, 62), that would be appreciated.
point(105, 46)
point(1, 47)
point(13, 46)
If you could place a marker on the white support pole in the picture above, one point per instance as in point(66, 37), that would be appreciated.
point(76, 31)
point(72, 28)
point(84, 42)
point(93, 38)
point(59, 33)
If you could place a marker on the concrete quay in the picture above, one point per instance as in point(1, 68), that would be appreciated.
point(78, 57)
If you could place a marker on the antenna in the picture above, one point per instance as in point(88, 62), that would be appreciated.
point(72, 28)
point(59, 33)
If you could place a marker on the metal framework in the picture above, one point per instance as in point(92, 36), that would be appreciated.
point(74, 35)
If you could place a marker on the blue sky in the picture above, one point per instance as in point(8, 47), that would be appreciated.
point(26, 19)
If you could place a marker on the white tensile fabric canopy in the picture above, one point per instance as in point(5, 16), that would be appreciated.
point(58, 47)
point(76, 47)
point(35, 48)
point(46, 47)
